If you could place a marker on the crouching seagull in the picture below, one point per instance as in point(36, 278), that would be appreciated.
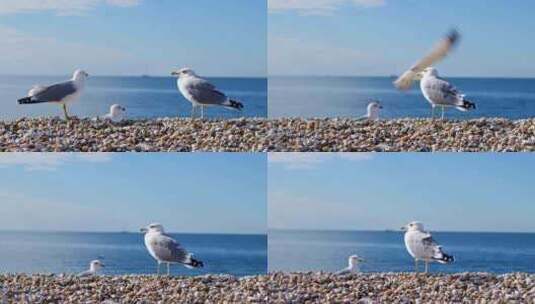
point(166, 250)
point(62, 93)
point(94, 267)
point(353, 266)
point(373, 110)
point(201, 93)
point(117, 113)
point(422, 247)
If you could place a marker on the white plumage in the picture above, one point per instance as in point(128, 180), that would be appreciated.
point(94, 267)
point(353, 266)
point(422, 247)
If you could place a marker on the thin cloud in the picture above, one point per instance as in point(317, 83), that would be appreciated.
point(318, 7)
point(49, 161)
point(305, 161)
point(60, 7)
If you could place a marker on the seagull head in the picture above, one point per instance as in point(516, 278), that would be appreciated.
point(413, 226)
point(373, 110)
point(95, 265)
point(354, 260)
point(79, 75)
point(184, 72)
point(117, 110)
point(430, 71)
point(155, 227)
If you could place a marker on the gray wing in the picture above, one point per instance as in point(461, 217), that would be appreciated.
point(205, 93)
point(86, 273)
point(343, 272)
point(442, 92)
point(440, 51)
point(169, 250)
point(56, 92)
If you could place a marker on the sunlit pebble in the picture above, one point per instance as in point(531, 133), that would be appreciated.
point(273, 288)
point(263, 135)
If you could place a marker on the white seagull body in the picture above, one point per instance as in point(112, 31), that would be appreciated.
point(441, 93)
point(353, 266)
point(62, 93)
point(166, 250)
point(117, 113)
point(94, 267)
point(422, 247)
point(201, 93)
point(373, 110)
point(441, 50)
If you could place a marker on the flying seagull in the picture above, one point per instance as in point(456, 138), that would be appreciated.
point(441, 50)
point(62, 93)
point(422, 247)
point(201, 93)
point(94, 267)
point(117, 113)
point(373, 110)
point(441, 93)
point(353, 265)
point(165, 249)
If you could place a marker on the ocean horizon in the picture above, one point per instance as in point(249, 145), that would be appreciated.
point(348, 96)
point(145, 97)
point(384, 251)
point(125, 253)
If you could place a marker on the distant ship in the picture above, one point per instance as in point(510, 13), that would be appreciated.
point(146, 76)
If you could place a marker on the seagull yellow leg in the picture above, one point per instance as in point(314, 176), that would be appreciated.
point(442, 112)
point(202, 112)
point(158, 268)
point(168, 272)
point(416, 265)
point(192, 111)
point(433, 112)
point(426, 266)
point(64, 106)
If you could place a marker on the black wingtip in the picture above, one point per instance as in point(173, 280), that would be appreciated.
point(25, 100)
point(454, 36)
point(236, 105)
point(196, 263)
point(469, 105)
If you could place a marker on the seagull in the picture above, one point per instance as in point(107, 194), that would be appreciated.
point(441, 93)
point(62, 93)
point(373, 111)
point(441, 50)
point(422, 247)
point(165, 249)
point(353, 265)
point(94, 267)
point(201, 93)
point(117, 113)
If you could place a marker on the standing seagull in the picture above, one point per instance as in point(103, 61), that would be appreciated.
point(62, 93)
point(201, 93)
point(441, 93)
point(441, 50)
point(353, 266)
point(372, 112)
point(422, 247)
point(165, 249)
point(94, 267)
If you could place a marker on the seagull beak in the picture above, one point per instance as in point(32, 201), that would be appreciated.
point(174, 73)
point(143, 230)
point(404, 228)
point(362, 260)
point(381, 107)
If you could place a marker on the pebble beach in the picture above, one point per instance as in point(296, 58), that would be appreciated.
point(268, 135)
point(273, 288)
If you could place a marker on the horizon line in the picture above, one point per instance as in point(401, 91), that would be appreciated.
point(134, 75)
point(395, 230)
point(132, 232)
point(395, 76)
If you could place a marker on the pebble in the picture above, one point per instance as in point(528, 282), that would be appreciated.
point(272, 288)
point(268, 135)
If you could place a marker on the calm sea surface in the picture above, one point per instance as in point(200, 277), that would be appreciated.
point(349, 96)
point(125, 253)
point(144, 97)
point(299, 251)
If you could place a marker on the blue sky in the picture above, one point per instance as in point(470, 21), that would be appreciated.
point(223, 193)
point(448, 192)
point(133, 37)
point(384, 37)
